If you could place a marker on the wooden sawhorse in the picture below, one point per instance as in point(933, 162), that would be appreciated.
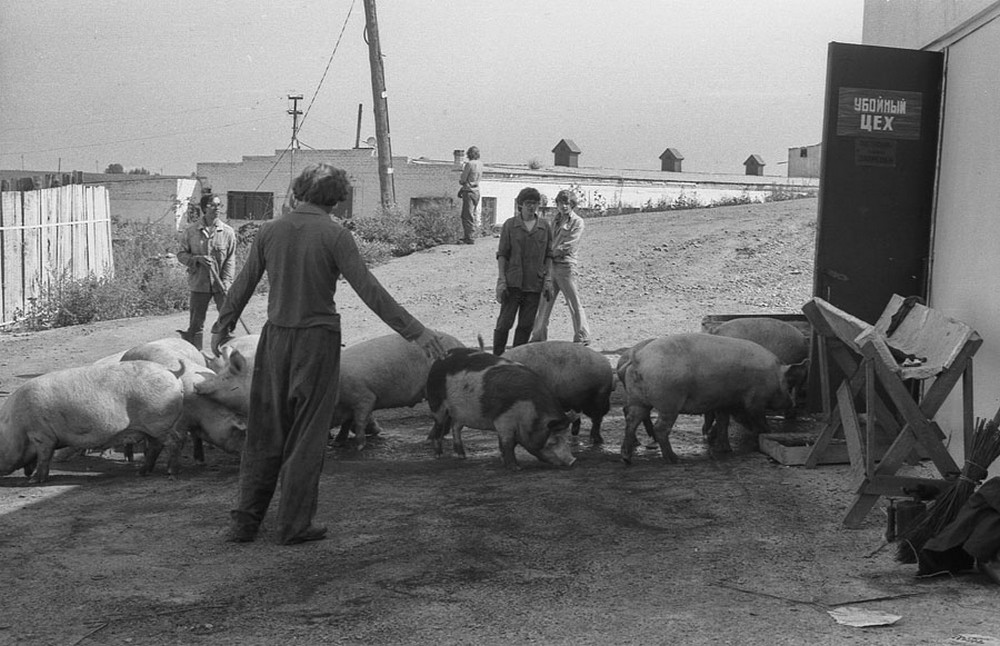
point(939, 349)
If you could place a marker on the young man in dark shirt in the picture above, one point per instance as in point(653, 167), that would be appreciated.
point(524, 260)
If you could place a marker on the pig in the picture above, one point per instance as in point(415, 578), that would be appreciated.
point(91, 407)
point(623, 362)
point(245, 345)
point(166, 352)
point(384, 372)
point(231, 385)
point(204, 418)
point(782, 338)
point(696, 373)
point(472, 388)
point(580, 378)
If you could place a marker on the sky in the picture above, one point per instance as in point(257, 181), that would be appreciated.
point(165, 85)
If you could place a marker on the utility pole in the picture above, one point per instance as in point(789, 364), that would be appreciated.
point(385, 177)
point(295, 112)
point(357, 137)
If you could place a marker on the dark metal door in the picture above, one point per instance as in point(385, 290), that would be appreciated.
point(880, 135)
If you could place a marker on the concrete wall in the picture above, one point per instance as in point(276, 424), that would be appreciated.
point(598, 193)
point(412, 178)
point(152, 199)
point(808, 166)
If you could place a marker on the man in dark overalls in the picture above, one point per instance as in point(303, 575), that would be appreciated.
point(296, 370)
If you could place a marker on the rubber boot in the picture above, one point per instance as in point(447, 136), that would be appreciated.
point(499, 342)
point(196, 339)
point(521, 336)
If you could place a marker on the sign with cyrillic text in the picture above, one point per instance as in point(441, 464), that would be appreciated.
point(889, 114)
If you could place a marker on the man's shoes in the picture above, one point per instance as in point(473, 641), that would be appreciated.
point(311, 533)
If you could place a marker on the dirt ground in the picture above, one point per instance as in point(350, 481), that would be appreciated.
point(713, 550)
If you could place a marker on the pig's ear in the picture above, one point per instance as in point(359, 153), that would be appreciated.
point(237, 362)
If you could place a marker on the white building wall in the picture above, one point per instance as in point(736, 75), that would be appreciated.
point(967, 222)
point(663, 195)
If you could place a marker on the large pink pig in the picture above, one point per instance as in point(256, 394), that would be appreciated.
point(90, 407)
point(697, 373)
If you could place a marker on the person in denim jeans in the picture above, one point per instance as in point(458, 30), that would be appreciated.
point(524, 260)
point(567, 232)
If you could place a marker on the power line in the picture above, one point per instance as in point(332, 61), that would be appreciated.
point(323, 78)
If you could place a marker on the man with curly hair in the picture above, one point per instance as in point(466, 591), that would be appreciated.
point(293, 393)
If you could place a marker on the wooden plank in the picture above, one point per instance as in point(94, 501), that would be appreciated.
point(917, 420)
point(33, 266)
point(102, 212)
point(902, 486)
point(49, 254)
point(852, 430)
point(80, 265)
point(64, 233)
point(93, 264)
point(6, 206)
point(862, 504)
point(13, 243)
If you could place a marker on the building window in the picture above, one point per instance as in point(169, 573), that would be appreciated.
point(246, 205)
point(803, 152)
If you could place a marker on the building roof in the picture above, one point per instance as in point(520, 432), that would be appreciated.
point(755, 159)
point(571, 175)
point(671, 153)
point(567, 145)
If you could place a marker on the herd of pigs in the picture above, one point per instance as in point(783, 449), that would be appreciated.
point(160, 393)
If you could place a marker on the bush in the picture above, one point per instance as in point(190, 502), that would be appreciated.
point(387, 233)
point(149, 281)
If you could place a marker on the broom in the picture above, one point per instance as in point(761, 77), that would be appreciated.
point(944, 509)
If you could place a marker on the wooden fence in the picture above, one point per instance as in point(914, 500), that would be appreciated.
point(47, 235)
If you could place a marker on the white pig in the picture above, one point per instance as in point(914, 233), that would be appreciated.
point(384, 372)
point(91, 407)
point(697, 373)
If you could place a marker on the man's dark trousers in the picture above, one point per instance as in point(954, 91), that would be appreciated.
point(292, 401)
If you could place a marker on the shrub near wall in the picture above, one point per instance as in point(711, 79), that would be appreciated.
point(147, 281)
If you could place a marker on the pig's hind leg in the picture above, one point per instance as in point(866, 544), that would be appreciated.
point(635, 414)
point(153, 449)
point(661, 431)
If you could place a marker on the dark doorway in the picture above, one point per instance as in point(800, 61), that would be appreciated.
point(245, 205)
point(880, 135)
